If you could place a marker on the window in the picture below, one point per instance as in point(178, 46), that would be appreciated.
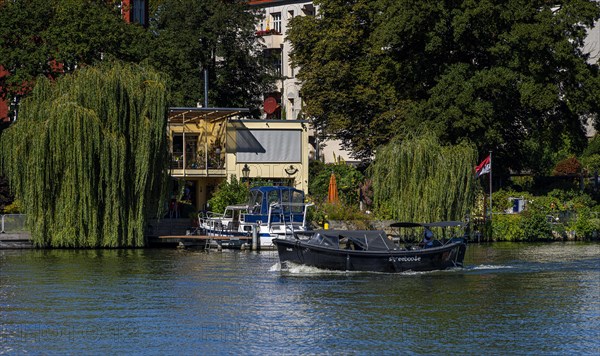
point(273, 60)
point(308, 10)
point(290, 14)
point(139, 12)
point(194, 159)
point(276, 17)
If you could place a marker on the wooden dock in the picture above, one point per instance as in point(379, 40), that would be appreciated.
point(15, 241)
point(200, 241)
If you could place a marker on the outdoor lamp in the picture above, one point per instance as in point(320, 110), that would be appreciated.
point(291, 170)
point(246, 171)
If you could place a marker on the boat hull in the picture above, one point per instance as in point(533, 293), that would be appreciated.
point(429, 259)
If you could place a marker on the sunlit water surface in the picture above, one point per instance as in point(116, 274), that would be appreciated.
point(510, 298)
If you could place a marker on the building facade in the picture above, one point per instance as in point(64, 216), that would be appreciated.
point(271, 32)
point(286, 102)
point(209, 145)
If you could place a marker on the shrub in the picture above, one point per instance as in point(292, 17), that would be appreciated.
point(13, 208)
point(535, 226)
point(583, 225)
point(507, 227)
point(348, 180)
point(567, 166)
point(522, 183)
point(342, 212)
point(228, 193)
point(593, 147)
point(591, 163)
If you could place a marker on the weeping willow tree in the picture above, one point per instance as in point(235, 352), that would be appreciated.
point(419, 180)
point(87, 156)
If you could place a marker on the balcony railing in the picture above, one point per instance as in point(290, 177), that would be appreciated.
point(272, 31)
point(197, 163)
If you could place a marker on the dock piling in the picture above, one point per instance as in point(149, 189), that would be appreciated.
point(255, 238)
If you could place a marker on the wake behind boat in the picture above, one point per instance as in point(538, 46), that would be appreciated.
point(371, 250)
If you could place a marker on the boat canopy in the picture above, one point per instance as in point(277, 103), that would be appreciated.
point(364, 240)
point(261, 198)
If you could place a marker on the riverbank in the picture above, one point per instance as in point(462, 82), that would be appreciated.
point(474, 236)
point(171, 233)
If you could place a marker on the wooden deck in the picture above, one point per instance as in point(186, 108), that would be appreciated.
point(205, 237)
point(15, 241)
point(201, 241)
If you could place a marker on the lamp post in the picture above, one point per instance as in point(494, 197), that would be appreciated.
point(246, 174)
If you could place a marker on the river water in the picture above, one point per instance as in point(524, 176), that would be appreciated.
point(510, 298)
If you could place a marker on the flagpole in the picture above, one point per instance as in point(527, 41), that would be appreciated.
point(490, 185)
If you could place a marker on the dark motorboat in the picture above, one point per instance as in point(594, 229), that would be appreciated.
point(371, 250)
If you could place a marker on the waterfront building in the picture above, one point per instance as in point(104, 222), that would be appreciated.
point(209, 145)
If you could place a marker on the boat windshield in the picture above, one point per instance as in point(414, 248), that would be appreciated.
point(325, 240)
point(232, 214)
point(273, 197)
point(371, 240)
point(255, 201)
point(297, 197)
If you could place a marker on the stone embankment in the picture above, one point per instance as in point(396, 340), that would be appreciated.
point(18, 240)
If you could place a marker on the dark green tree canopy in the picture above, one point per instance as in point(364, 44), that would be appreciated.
point(508, 75)
point(218, 35)
point(184, 37)
point(33, 33)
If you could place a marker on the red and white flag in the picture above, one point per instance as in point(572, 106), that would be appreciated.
point(484, 167)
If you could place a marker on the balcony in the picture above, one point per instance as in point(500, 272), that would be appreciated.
point(197, 165)
point(270, 38)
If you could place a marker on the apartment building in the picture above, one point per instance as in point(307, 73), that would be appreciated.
point(286, 102)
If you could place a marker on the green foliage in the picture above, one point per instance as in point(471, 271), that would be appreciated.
point(591, 163)
point(535, 226)
point(190, 35)
point(322, 213)
point(348, 180)
point(505, 75)
point(343, 212)
point(13, 208)
point(184, 37)
point(508, 227)
point(546, 217)
point(524, 183)
point(419, 180)
point(584, 226)
point(73, 32)
point(229, 192)
point(593, 147)
point(568, 200)
point(87, 156)
point(316, 216)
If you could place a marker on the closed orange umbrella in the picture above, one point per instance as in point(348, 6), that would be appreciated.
point(332, 196)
